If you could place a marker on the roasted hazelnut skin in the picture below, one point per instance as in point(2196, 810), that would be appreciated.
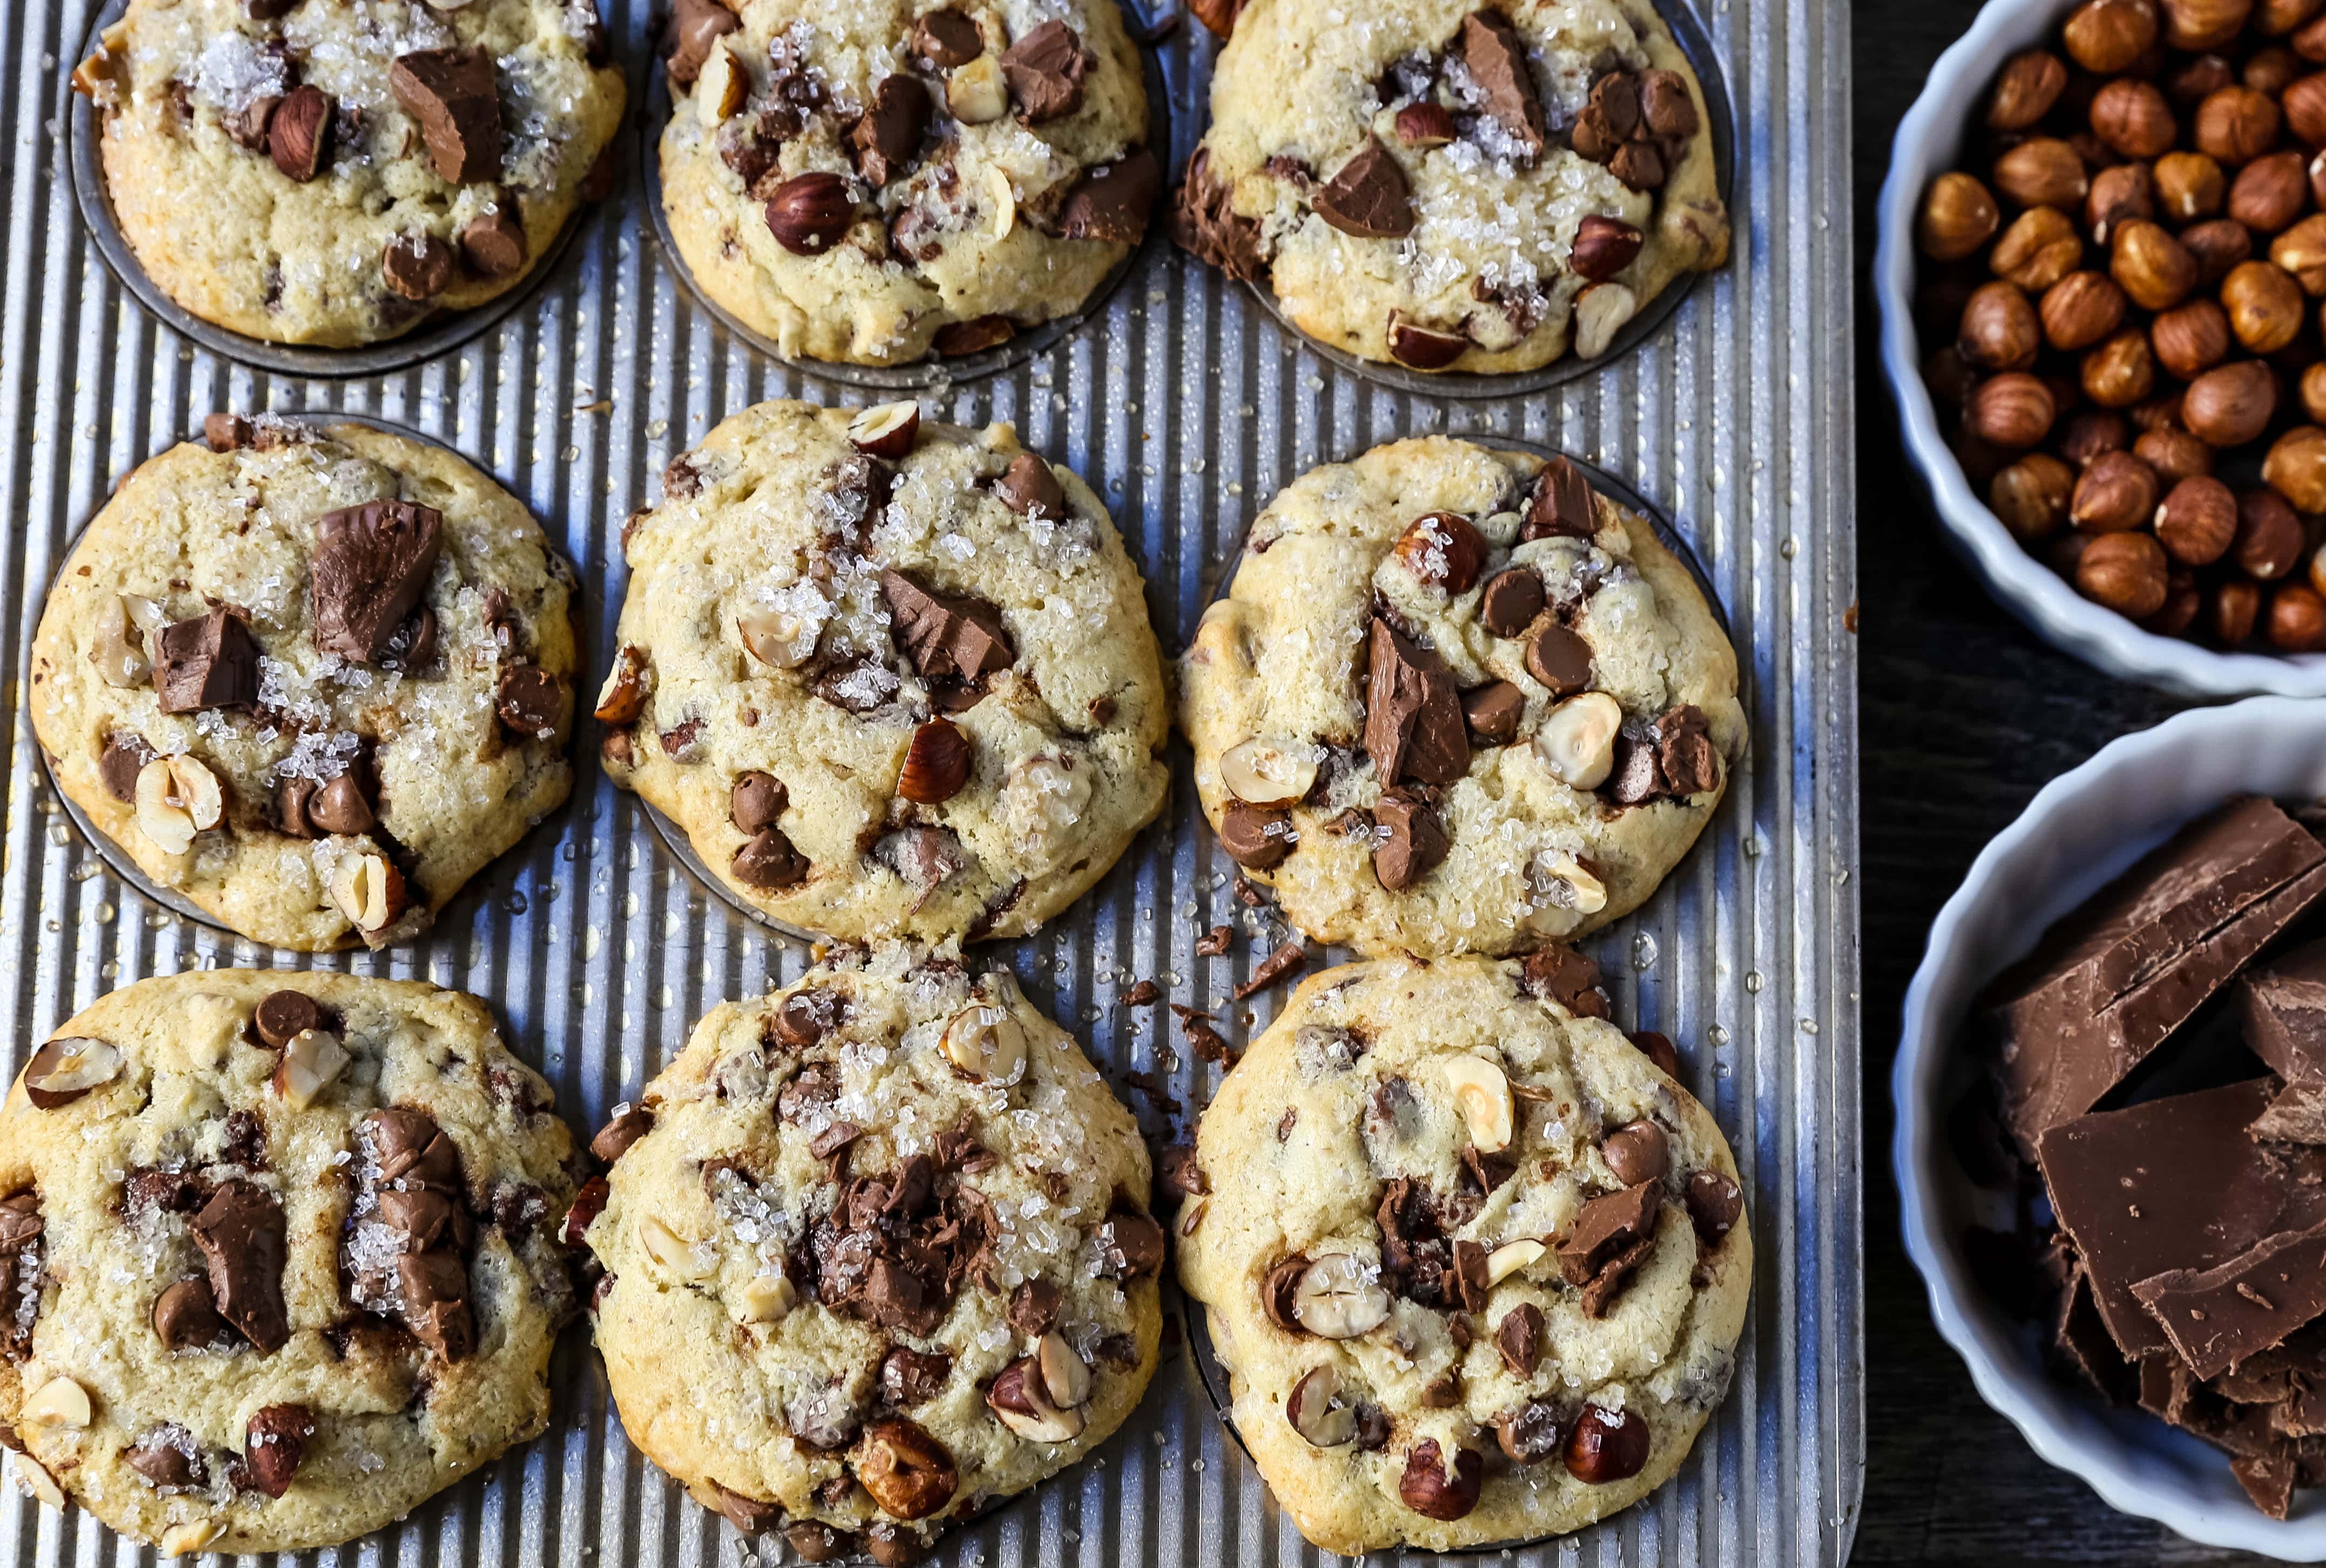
point(2266, 306)
point(909, 1472)
point(2296, 467)
point(2230, 612)
point(2011, 410)
point(1427, 1490)
point(1607, 1446)
point(2157, 413)
point(2183, 599)
point(2301, 251)
point(2124, 572)
point(2119, 193)
point(2041, 171)
point(2117, 492)
point(1958, 217)
point(2133, 118)
point(2089, 432)
point(2318, 569)
point(2270, 71)
point(2216, 247)
point(2190, 339)
point(2231, 404)
point(2080, 309)
point(2313, 393)
point(2237, 125)
point(2197, 521)
point(2297, 619)
point(2150, 267)
point(2277, 18)
point(2031, 497)
point(2199, 25)
point(2270, 192)
point(2190, 186)
point(2270, 542)
point(2304, 103)
point(2041, 248)
point(2120, 372)
point(2174, 454)
point(2105, 36)
point(1999, 329)
point(2029, 83)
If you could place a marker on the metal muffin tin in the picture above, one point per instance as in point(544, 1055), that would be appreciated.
point(1185, 409)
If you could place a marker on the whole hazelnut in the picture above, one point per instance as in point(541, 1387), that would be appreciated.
point(1949, 378)
point(2197, 521)
point(2064, 549)
point(2105, 36)
point(2031, 497)
point(2217, 248)
point(2117, 492)
point(2313, 393)
point(2124, 572)
point(2318, 569)
point(2120, 371)
point(2237, 125)
point(2087, 434)
point(2230, 612)
point(2316, 171)
point(2118, 194)
point(2297, 619)
point(2040, 172)
point(2301, 251)
point(2231, 404)
point(2266, 306)
point(2091, 151)
point(2190, 339)
point(1958, 217)
point(2029, 84)
point(2080, 309)
point(2195, 25)
point(2305, 104)
point(1981, 458)
point(2309, 42)
point(2270, 542)
point(1999, 329)
point(2133, 118)
point(2270, 192)
point(2201, 76)
point(2277, 18)
point(2190, 186)
point(2270, 71)
point(2151, 267)
point(2157, 413)
point(2012, 410)
point(2182, 601)
point(2174, 454)
point(2296, 467)
point(2039, 248)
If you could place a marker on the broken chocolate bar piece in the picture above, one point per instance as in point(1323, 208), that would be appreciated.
point(2221, 1316)
point(2297, 1115)
point(2174, 1183)
point(2283, 1010)
point(2083, 1342)
point(2110, 981)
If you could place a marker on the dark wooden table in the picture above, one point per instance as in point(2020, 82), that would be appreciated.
point(1966, 715)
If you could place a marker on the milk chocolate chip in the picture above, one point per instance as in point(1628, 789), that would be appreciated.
point(1044, 72)
point(241, 1234)
point(454, 96)
point(1369, 197)
point(1413, 715)
point(371, 564)
point(209, 661)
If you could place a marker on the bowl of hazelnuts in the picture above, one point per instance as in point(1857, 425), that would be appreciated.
point(2102, 275)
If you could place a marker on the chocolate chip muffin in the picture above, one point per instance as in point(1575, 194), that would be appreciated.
point(872, 184)
point(891, 679)
point(336, 173)
point(312, 677)
point(1476, 1265)
point(1457, 702)
point(877, 1255)
point(1456, 189)
point(280, 1256)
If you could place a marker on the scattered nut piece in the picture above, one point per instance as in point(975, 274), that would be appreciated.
point(1268, 772)
point(1576, 739)
point(675, 1254)
point(1510, 1258)
point(1316, 1411)
point(985, 1044)
point(309, 1065)
point(59, 1402)
point(1482, 1092)
point(1338, 1297)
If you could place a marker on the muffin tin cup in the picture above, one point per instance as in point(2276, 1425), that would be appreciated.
point(437, 334)
point(928, 373)
point(1696, 45)
point(123, 866)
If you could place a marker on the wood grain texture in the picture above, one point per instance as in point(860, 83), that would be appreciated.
point(1966, 715)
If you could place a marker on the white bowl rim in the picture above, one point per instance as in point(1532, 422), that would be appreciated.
point(1918, 1129)
point(2031, 590)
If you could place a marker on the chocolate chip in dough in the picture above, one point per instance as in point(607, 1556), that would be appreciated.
point(209, 661)
point(1114, 202)
point(949, 636)
point(416, 266)
point(125, 757)
point(241, 1234)
point(756, 801)
point(284, 1015)
point(769, 862)
point(529, 701)
point(1562, 505)
point(1369, 198)
point(1497, 63)
point(1413, 715)
point(1559, 659)
point(1255, 837)
point(890, 131)
point(371, 564)
point(1412, 842)
point(1512, 600)
point(946, 39)
point(1493, 712)
point(1045, 71)
point(493, 244)
point(456, 98)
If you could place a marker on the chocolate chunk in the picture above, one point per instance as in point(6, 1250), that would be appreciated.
point(1034, 1307)
point(1180, 1173)
point(454, 96)
point(696, 26)
point(240, 1231)
point(1207, 1043)
point(2268, 1479)
point(340, 806)
point(125, 757)
point(1531, 1434)
point(1562, 505)
point(165, 1456)
point(910, 1377)
point(806, 1017)
point(274, 1441)
point(299, 133)
point(1204, 222)
point(247, 129)
point(1665, 103)
point(1256, 838)
point(748, 1514)
point(2297, 1115)
point(1484, 1171)
point(946, 39)
point(1281, 964)
point(1559, 659)
point(1715, 1203)
point(1609, 117)
point(1560, 974)
point(1412, 842)
point(1132, 1243)
point(1369, 198)
point(859, 687)
point(2220, 1316)
point(1030, 488)
point(1518, 1337)
point(1512, 598)
point(956, 339)
point(1045, 71)
point(2283, 1010)
point(1413, 715)
point(951, 636)
point(1112, 202)
point(2173, 1184)
point(209, 661)
point(186, 1317)
point(417, 266)
point(1685, 757)
point(493, 243)
point(1605, 1228)
point(226, 433)
point(1468, 1276)
point(769, 863)
point(284, 1015)
point(1497, 63)
point(529, 701)
point(413, 645)
point(631, 1123)
point(1214, 941)
point(2108, 982)
point(1493, 712)
point(371, 564)
point(756, 801)
point(435, 1290)
point(890, 131)
point(1636, 1152)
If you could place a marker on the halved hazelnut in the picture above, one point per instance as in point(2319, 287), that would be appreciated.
point(909, 1474)
point(1583, 891)
point(68, 1067)
point(369, 890)
point(1268, 772)
point(173, 794)
point(722, 84)
point(44, 1486)
point(1315, 1410)
point(1576, 740)
point(1423, 348)
point(1425, 124)
point(309, 1065)
point(782, 639)
point(120, 656)
point(1339, 1298)
point(1019, 1402)
point(886, 429)
point(673, 1254)
point(623, 695)
point(59, 1402)
point(1065, 1379)
point(1511, 1256)
point(188, 1536)
point(1601, 311)
point(1442, 550)
point(976, 92)
point(985, 1044)
point(1003, 196)
point(765, 1299)
point(1482, 1093)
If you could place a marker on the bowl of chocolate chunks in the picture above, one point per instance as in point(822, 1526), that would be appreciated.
point(2111, 1132)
